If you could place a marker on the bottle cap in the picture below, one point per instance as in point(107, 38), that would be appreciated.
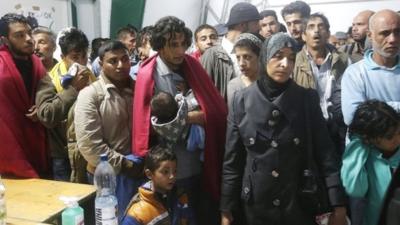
point(70, 201)
point(103, 157)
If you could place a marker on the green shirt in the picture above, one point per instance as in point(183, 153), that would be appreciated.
point(365, 173)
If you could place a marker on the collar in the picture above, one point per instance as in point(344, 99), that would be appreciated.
point(108, 85)
point(327, 57)
point(393, 161)
point(372, 65)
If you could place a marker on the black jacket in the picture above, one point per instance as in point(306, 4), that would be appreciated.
point(265, 156)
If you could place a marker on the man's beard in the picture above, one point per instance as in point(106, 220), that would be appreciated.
point(18, 52)
point(376, 48)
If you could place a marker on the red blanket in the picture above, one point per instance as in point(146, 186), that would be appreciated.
point(22, 142)
point(211, 103)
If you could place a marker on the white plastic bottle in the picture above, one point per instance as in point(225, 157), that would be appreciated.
point(3, 209)
point(73, 214)
point(106, 202)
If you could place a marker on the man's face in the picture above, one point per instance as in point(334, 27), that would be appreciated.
point(144, 50)
point(385, 36)
point(269, 26)
point(205, 39)
point(129, 40)
point(19, 39)
point(173, 53)
point(294, 23)
point(44, 46)
point(360, 27)
point(116, 65)
point(316, 34)
point(75, 56)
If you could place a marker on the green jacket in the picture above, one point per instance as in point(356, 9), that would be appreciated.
point(303, 75)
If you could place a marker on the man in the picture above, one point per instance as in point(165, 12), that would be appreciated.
point(294, 15)
point(269, 24)
point(359, 31)
point(45, 45)
point(171, 38)
point(205, 36)
point(103, 115)
point(219, 61)
point(54, 98)
point(126, 35)
point(22, 140)
point(144, 49)
point(320, 66)
point(377, 75)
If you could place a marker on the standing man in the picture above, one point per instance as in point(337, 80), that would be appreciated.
point(294, 16)
point(269, 23)
point(54, 99)
point(45, 45)
point(171, 38)
point(359, 31)
point(377, 75)
point(103, 117)
point(320, 66)
point(127, 35)
point(23, 139)
point(205, 36)
point(219, 61)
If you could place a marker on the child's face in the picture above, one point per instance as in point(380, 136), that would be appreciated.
point(388, 145)
point(76, 56)
point(164, 177)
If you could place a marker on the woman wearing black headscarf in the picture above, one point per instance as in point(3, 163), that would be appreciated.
point(266, 146)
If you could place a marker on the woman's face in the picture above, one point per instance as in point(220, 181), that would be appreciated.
point(247, 61)
point(281, 65)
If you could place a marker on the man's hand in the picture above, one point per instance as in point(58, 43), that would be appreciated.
point(226, 218)
point(81, 79)
point(338, 216)
point(196, 117)
point(32, 113)
point(131, 169)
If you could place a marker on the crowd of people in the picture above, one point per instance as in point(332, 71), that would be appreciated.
point(264, 123)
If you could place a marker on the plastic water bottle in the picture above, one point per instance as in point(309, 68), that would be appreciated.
point(3, 210)
point(73, 215)
point(105, 203)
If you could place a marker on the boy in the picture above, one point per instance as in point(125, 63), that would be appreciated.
point(55, 98)
point(158, 202)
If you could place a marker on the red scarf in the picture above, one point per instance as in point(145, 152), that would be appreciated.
point(196, 54)
point(211, 103)
point(22, 142)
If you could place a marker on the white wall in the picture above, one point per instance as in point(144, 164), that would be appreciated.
point(187, 10)
point(51, 13)
point(86, 18)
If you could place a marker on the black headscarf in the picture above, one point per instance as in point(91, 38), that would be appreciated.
point(270, 47)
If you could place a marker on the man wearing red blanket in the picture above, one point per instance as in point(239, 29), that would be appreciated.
point(22, 138)
point(159, 73)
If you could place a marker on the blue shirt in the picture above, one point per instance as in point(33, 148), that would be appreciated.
point(365, 173)
point(366, 80)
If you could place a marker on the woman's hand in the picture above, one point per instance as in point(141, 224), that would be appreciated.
point(226, 218)
point(338, 216)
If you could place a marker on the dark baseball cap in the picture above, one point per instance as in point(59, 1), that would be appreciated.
point(242, 12)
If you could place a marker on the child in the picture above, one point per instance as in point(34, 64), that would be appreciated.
point(372, 155)
point(158, 201)
point(169, 117)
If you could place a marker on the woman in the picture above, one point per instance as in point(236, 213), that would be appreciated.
point(247, 49)
point(266, 147)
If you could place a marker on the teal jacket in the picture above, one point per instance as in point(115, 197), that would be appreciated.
point(365, 173)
